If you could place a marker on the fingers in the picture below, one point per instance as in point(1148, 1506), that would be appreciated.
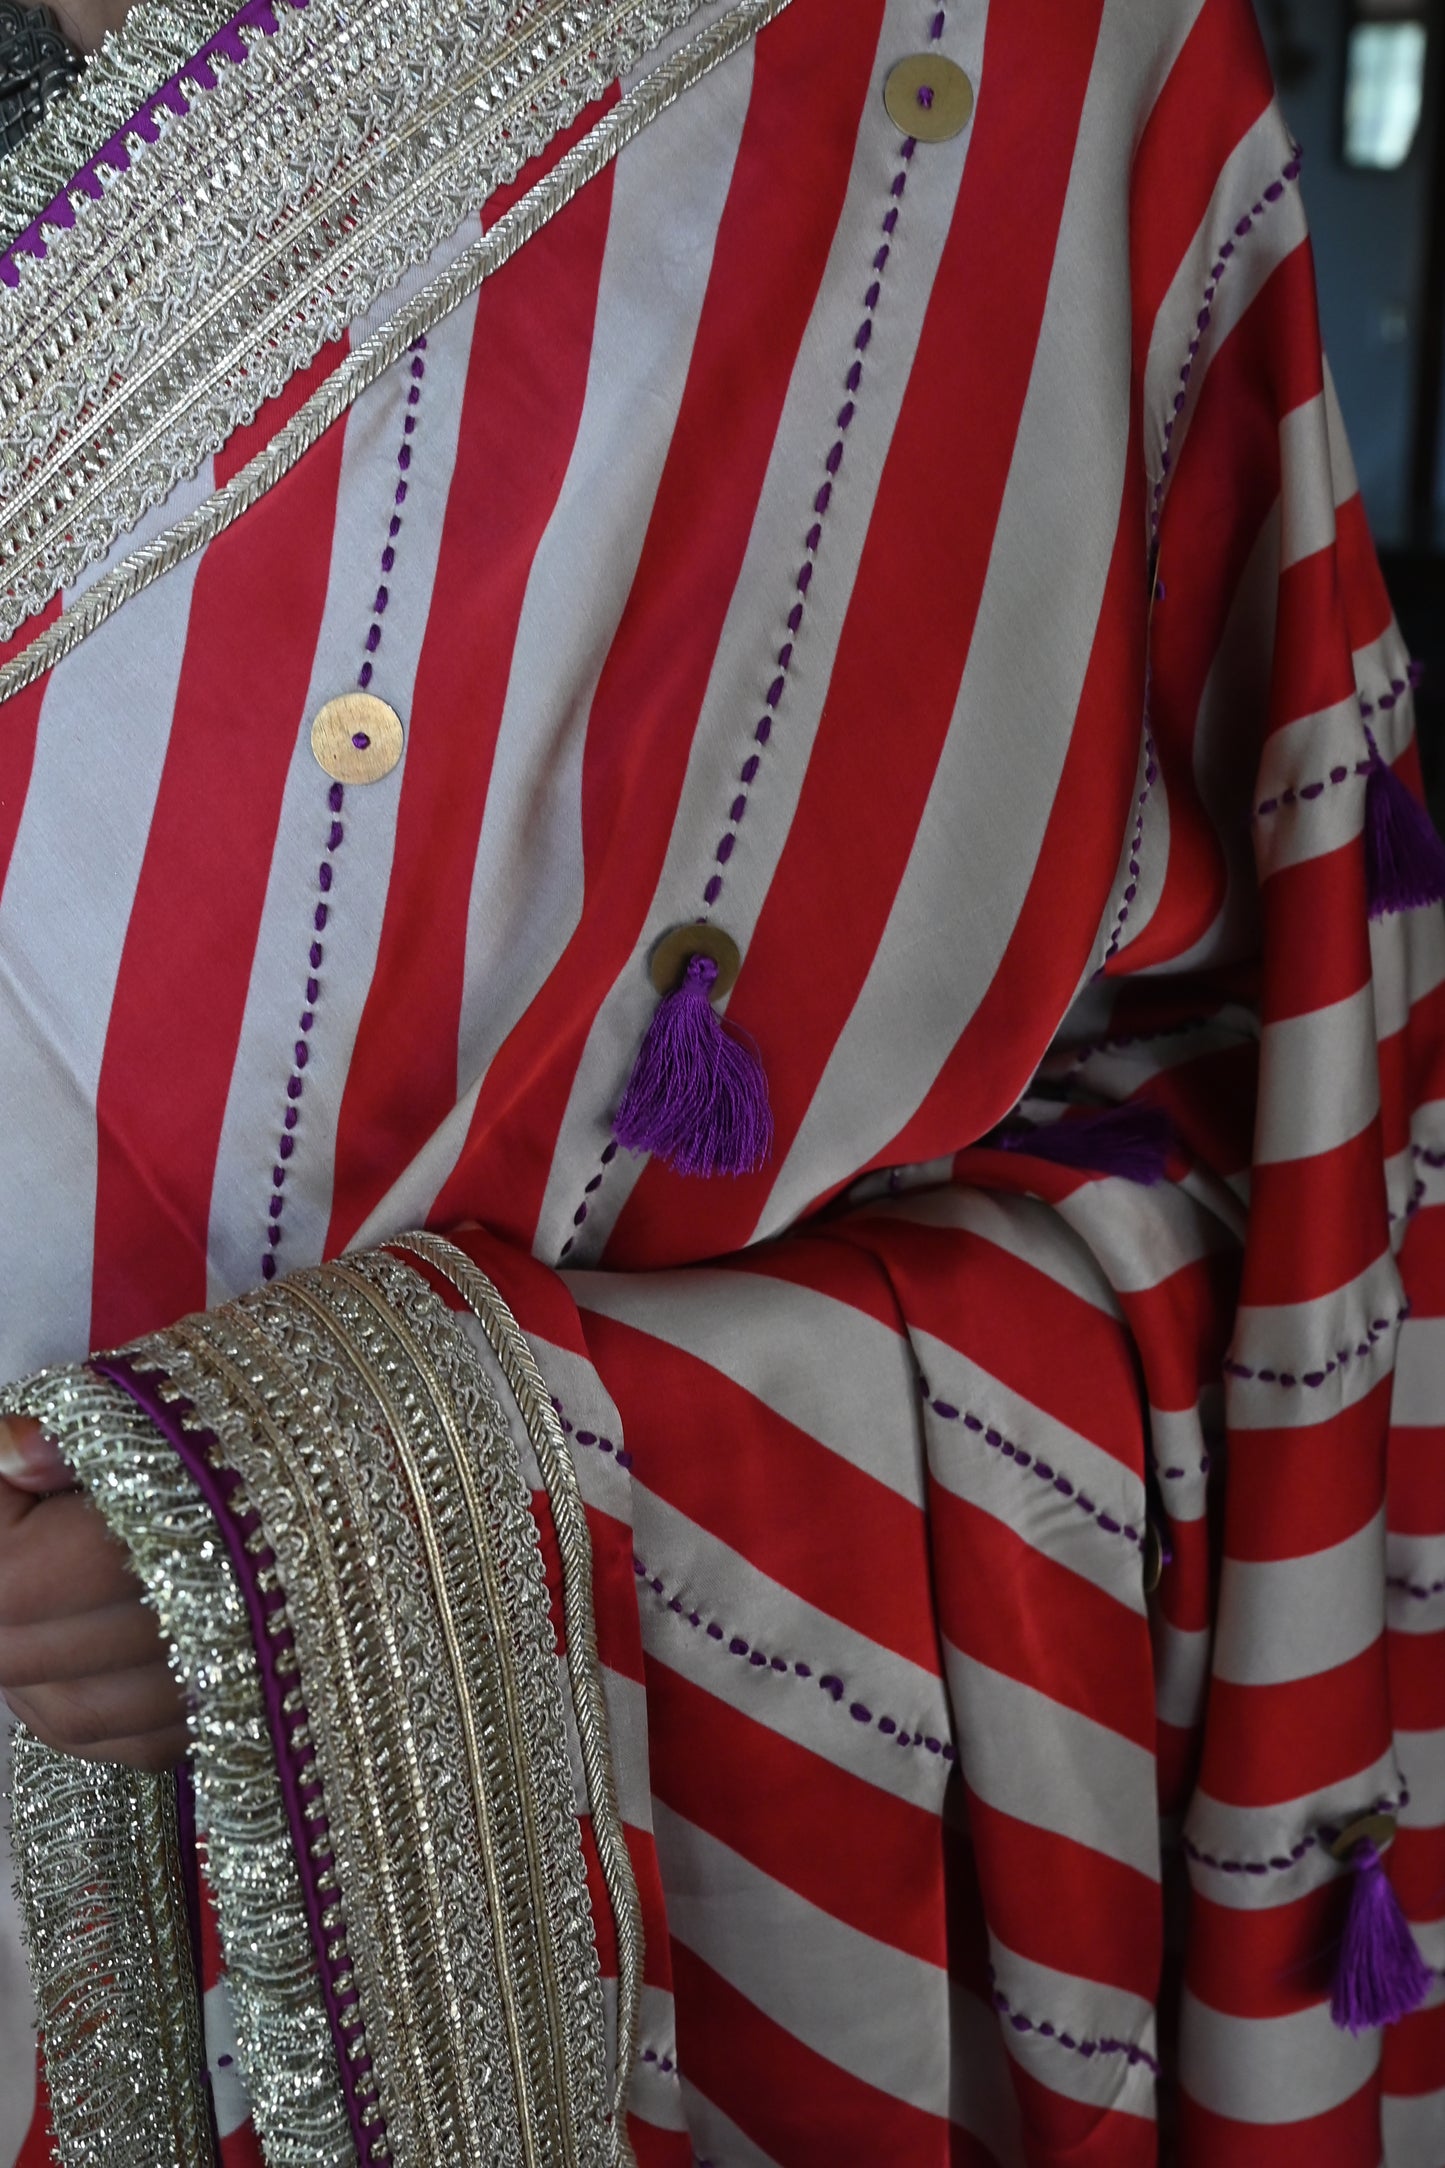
point(117, 1637)
point(28, 1460)
point(59, 1562)
point(141, 1710)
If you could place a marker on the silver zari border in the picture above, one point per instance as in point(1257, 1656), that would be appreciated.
point(151, 1506)
point(98, 1876)
point(544, 1431)
point(74, 505)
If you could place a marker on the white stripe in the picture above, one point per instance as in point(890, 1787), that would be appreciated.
point(1292, 1618)
point(1139, 1237)
point(104, 729)
point(223, 2069)
point(654, 2093)
point(1418, 1400)
point(1319, 1080)
point(1088, 2014)
point(276, 996)
point(1031, 1757)
point(1419, 1562)
point(1023, 1227)
point(1308, 483)
point(1407, 956)
point(876, 2011)
point(755, 626)
point(1318, 1347)
point(1422, 1764)
point(704, 1576)
point(1271, 2070)
point(967, 1464)
point(994, 787)
point(1181, 1673)
point(715, 2137)
point(854, 1391)
point(1252, 1848)
point(1255, 163)
point(1413, 2128)
point(526, 896)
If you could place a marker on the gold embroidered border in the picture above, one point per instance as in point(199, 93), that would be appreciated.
point(107, 2047)
point(183, 298)
point(534, 1403)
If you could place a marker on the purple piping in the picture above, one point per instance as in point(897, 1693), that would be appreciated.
point(197, 74)
point(216, 1486)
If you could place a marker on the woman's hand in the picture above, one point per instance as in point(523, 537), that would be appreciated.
point(82, 1663)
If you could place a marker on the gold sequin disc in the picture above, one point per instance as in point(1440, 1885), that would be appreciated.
point(357, 738)
point(928, 98)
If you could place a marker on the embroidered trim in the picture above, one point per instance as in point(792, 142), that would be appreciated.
point(828, 1682)
point(366, 1434)
point(1281, 1862)
point(328, 165)
point(151, 1505)
point(132, 66)
point(1342, 772)
point(574, 1543)
point(99, 1881)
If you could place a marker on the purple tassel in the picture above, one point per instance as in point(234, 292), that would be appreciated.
point(1380, 1975)
point(1404, 857)
point(1133, 1142)
point(697, 1097)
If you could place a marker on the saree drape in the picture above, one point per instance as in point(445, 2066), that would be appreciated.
point(1011, 1519)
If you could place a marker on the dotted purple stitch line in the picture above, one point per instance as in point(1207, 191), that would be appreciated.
point(1033, 1464)
point(1421, 1592)
point(1339, 1361)
point(1342, 773)
point(1227, 247)
point(828, 1682)
point(802, 584)
point(655, 2058)
point(1129, 2049)
point(1136, 841)
point(1202, 321)
point(1281, 1862)
point(335, 837)
point(591, 1438)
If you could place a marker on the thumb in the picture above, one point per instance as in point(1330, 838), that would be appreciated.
point(28, 1460)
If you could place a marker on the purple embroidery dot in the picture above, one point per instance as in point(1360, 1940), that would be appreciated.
point(360, 740)
point(925, 96)
point(373, 639)
point(323, 876)
point(737, 1646)
point(859, 1714)
point(713, 889)
point(886, 1724)
point(292, 1115)
point(363, 676)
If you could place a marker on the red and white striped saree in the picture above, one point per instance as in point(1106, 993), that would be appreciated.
point(1016, 1563)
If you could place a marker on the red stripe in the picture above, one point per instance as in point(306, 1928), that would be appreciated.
point(185, 969)
point(1327, 1216)
point(534, 334)
point(1006, 1605)
point(799, 2107)
point(1065, 2133)
point(808, 88)
point(19, 726)
point(1344, 2137)
point(1267, 1743)
point(1061, 1904)
point(1331, 1473)
point(753, 1481)
point(917, 592)
point(1216, 91)
point(1269, 1961)
point(860, 1853)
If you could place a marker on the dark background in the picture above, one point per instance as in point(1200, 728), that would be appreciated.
point(1379, 242)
